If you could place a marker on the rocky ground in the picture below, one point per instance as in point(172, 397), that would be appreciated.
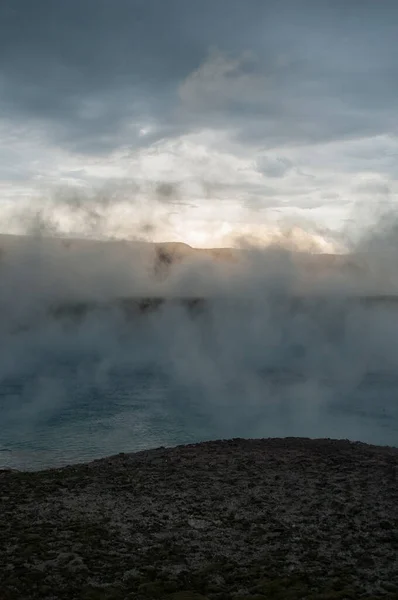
point(230, 519)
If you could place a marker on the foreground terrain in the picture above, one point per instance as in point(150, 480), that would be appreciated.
point(244, 519)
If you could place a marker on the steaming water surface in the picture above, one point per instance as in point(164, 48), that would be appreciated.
point(78, 389)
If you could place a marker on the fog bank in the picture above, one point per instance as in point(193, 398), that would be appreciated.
point(258, 341)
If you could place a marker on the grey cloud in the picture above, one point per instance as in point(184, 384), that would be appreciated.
point(13, 165)
point(274, 167)
point(372, 187)
point(169, 193)
point(86, 71)
point(223, 82)
point(331, 196)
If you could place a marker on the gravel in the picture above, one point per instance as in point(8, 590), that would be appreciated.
point(229, 519)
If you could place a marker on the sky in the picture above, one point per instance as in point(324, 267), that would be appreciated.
point(197, 121)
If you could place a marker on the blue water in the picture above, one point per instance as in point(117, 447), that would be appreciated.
point(137, 410)
point(75, 392)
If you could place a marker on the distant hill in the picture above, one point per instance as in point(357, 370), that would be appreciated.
point(160, 258)
point(74, 275)
point(165, 253)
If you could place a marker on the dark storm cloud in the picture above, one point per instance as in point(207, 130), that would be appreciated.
point(90, 73)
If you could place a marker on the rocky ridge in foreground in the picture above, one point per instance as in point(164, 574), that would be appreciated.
point(230, 519)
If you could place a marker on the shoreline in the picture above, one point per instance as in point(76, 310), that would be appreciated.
point(72, 464)
point(226, 519)
point(156, 449)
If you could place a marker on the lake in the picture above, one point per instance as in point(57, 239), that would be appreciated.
point(75, 389)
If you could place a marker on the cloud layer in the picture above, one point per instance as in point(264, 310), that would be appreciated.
point(230, 112)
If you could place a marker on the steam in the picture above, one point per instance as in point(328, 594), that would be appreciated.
point(279, 341)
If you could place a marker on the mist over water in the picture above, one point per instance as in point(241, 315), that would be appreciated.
point(280, 344)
